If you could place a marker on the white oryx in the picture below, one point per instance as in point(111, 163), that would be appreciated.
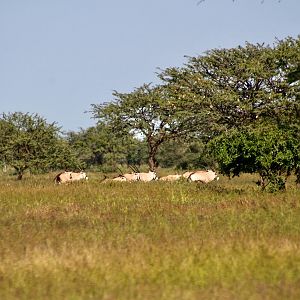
point(68, 177)
point(171, 177)
point(147, 176)
point(203, 176)
point(131, 176)
point(127, 177)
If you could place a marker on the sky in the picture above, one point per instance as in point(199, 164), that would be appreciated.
point(57, 57)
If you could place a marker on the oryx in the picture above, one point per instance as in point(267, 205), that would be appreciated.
point(203, 176)
point(187, 174)
point(147, 176)
point(131, 176)
point(67, 177)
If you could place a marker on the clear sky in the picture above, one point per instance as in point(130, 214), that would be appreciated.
point(59, 56)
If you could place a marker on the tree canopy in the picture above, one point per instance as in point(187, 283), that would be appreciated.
point(271, 152)
point(102, 148)
point(240, 86)
point(28, 142)
point(149, 112)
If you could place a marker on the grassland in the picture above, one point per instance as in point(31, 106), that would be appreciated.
point(158, 240)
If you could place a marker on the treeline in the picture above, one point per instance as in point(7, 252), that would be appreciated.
point(235, 109)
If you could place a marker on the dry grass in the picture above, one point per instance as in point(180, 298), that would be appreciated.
point(157, 240)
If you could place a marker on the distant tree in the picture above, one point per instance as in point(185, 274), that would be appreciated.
point(28, 142)
point(150, 113)
point(184, 155)
point(100, 146)
point(269, 151)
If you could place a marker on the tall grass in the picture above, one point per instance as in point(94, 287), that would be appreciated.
point(157, 240)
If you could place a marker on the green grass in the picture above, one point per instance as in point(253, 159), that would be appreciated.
point(157, 240)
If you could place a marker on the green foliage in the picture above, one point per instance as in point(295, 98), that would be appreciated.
point(236, 87)
point(28, 142)
point(150, 113)
point(184, 155)
point(104, 148)
point(175, 154)
point(271, 152)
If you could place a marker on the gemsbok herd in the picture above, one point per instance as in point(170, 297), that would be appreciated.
point(203, 176)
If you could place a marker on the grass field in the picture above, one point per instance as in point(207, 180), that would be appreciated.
point(157, 240)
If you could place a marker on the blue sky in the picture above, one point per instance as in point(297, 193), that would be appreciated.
point(59, 56)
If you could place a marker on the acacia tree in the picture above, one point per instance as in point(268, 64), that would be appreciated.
point(242, 88)
point(243, 85)
point(149, 112)
point(28, 142)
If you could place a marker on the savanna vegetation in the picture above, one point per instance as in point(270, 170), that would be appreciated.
point(156, 240)
point(194, 109)
point(235, 110)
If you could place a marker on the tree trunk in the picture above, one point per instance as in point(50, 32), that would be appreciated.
point(152, 151)
point(20, 175)
point(152, 162)
point(262, 182)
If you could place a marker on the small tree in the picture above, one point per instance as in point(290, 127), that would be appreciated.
point(271, 152)
point(28, 142)
point(101, 146)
